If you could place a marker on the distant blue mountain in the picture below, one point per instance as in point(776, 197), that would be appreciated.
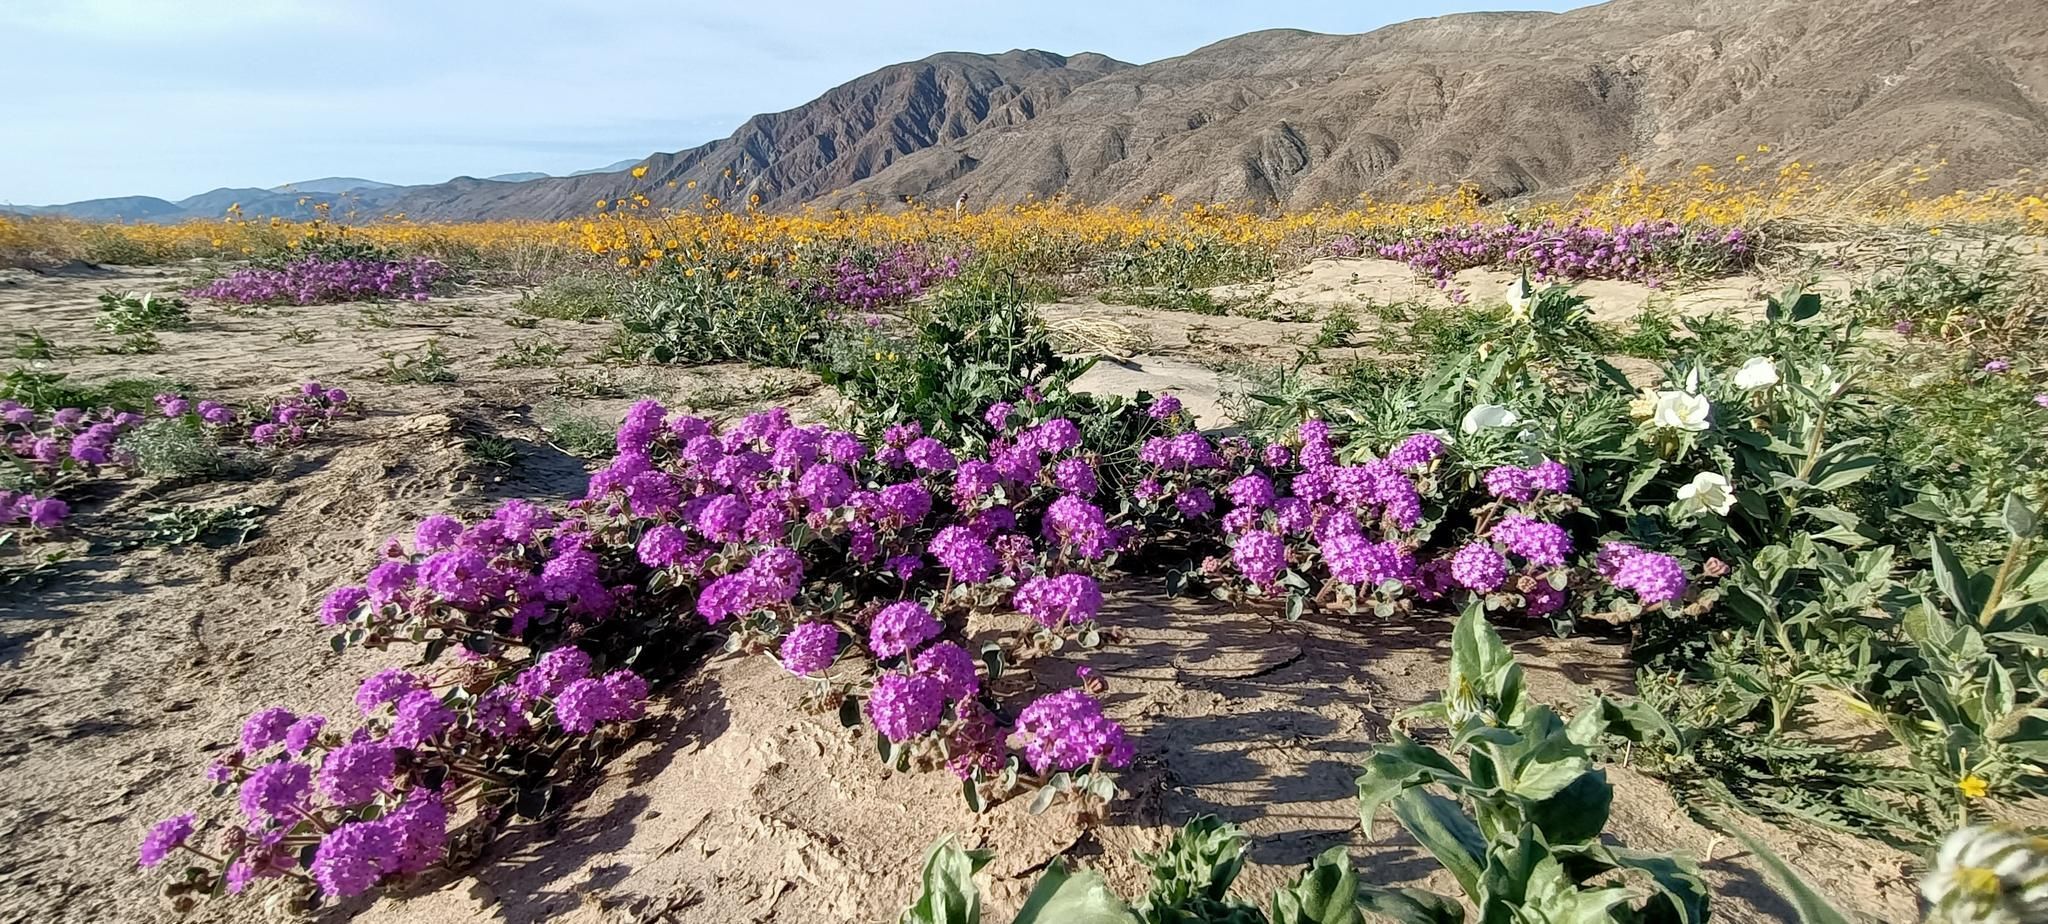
point(345, 196)
point(612, 168)
point(329, 185)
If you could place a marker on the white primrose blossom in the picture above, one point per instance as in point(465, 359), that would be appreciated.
point(1758, 372)
point(1988, 875)
point(1678, 410)
point(1487, 417)
point(1707, 491)
point(1520, 296)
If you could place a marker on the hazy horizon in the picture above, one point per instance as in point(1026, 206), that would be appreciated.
point(131, 94)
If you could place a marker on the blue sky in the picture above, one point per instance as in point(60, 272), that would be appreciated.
point(174, 97)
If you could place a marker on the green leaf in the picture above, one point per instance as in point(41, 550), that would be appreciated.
point(1397, 766)
point(1836, 475)
point(1441, 827)
point(1680, 890)
point(1483, 671)
point(1063, 897)
point(1410, 906)
point(1577, 814)
point(1326, 893)
point(1641, 479)
point(849, 712)
point(1807, 903)
point(947, 894)
point(1042, 800)
point(1949, 575)
point(2019, 517)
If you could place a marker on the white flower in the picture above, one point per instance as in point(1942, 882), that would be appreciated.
point(1520, 296)
point(1679, 410)
point(1988, 875)
point(1707, 491)
point(1487, 417)
point(1758, 372)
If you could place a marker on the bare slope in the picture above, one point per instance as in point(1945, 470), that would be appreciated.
point(787, 158)
point(1520, 102)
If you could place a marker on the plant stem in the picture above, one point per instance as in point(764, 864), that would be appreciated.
point(1998, 582)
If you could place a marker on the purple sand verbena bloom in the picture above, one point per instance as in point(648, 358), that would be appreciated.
point(165, 836)
point(1062, 600)
point(906, 706)
point(810, 647)
point(1478, 566)
point(953, 667)
point(900, 627)
point(1067, 731)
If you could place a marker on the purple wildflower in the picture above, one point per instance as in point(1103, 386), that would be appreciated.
point(900, 627)
point(1068, 599)
point(1546, 544)
point(952, 667)
point(165, 836)
point(1067, 731)
point(810, 647)
point(266, 728)
point(904, 706)
point(276, 791)
point(1478, 566)
point(355, 772)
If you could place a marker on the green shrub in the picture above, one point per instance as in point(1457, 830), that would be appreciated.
point(179, 447)
point(53, 390)
point(574, 297)
point(582, 435)
point(705, 318)
point(132, 314)
point(426, 366)
point(539, 352)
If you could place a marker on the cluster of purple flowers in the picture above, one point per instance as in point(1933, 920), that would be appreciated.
point(1067, 731)
point(287, 421)
point(1654, 577)
point(1069, 599)
point(43, 513)
point(896, 277)
point(75, 443)
point(320, 280)
point(1299, 508)
point(810, 648)
point(758, 524)
point(1522, 485)
point(1646, 251)
point(368, 803)
point(1545, 544)
point(71, 441)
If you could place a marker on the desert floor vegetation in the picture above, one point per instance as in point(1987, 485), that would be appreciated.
point(1665, 552)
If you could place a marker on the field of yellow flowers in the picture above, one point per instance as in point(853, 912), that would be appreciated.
point(630, 231)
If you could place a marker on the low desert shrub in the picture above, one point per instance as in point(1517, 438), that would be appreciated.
point(574, 297)
point(131, 313)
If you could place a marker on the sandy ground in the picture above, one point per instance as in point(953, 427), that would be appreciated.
point(123, 673)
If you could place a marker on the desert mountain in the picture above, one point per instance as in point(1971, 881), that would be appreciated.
point(1521, 102)
point(330, 185)
point(788, 158)
point(1513, 103)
